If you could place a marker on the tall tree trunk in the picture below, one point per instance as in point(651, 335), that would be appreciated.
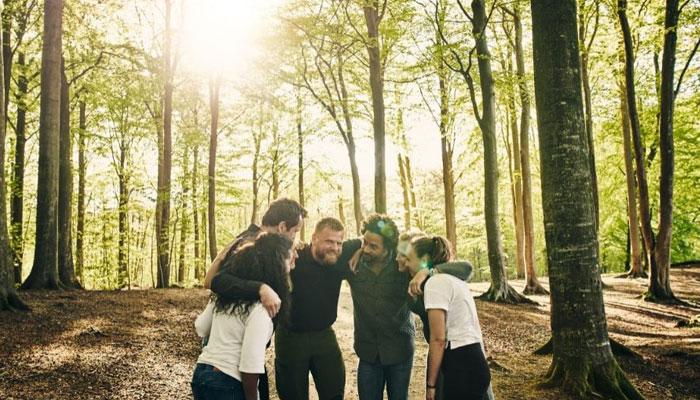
point(7, 17)
point(257, 141)
point(123, 213)
point(275, 165)
point(341, 209)
point(163, 198)
point(356, 199)
point(300, 164)
point(659, 283)
point(184, 224)
point(405, 191)
point(583, 362)
point(417, 217)
point(349, 139)
point(500, 290)
point(17, 193)
point(373, 17)
point(582, 24)
point(44, 274)
point(516, 181)
point(66, 268)
point(446, 147)
point(636, 270)
point(82, 169)
point(214, 88)
point(198, 266)
point(532, 284)
point(644, 213)
point(8, 296)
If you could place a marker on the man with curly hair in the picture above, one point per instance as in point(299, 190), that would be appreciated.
point(384, 327)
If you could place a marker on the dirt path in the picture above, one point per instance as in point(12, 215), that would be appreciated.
point(141, 344)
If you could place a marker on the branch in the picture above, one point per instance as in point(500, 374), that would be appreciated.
point(464, 11)
point(595, 27)
point(685, 68)
point(86, 70)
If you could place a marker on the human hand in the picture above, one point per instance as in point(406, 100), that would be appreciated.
point(355, 261)
point(270, 300)
point(430, 393)
point(414, 287)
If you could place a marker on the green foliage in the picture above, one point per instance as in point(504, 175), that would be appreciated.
point(113, 53)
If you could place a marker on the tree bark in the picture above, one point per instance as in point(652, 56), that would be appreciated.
point(198, 265)
point(66, 267)
point(583, 362)
point(257, 142)
point(275, 164)
point(532, 284)
point(516, 180)
point(164, 188)
point(373, 17)
point(659, 283)
point(644, 213)
point(8, 296)
point(82, 170)
point(300, 162)
point(349, 138)
point(636, 269)
point(214, 88)
point(7, 53)
point(405, 192)
point(417, 217)
point(44, 274)
point(588, 107)
point(446, 145)
point(17, 193)
point(500, 290)
point(123, 214)
point(184, 224)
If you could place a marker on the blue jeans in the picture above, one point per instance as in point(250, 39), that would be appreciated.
point(372, 377)
point(210, 384)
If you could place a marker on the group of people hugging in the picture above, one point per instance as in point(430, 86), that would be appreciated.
point(264, 284)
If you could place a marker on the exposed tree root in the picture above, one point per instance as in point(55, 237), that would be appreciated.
point(633, 275)
point(506, 294)
point(617, 348)
point(535, 288)
point(545, 349)
point(666, 299)
point(11, 302)
point(586, 381)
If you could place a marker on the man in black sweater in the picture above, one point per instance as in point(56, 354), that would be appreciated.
point(307, 342)
point(283, 216)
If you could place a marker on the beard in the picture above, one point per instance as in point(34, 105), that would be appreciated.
point(369, 258)
point(326, 257)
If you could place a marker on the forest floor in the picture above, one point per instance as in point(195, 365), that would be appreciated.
point(141, 344)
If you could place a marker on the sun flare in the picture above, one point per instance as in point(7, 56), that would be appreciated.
point(222, 36)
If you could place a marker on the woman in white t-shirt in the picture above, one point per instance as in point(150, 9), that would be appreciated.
point(239, 330)
point(456, 344)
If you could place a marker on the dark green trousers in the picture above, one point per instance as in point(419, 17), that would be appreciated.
point(297, 354)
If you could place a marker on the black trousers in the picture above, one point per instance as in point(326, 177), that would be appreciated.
point(466, 373)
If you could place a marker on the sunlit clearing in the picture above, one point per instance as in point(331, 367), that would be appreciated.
point(222, 36)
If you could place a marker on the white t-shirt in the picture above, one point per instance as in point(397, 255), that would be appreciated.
point(446, 292)
point(236, 344)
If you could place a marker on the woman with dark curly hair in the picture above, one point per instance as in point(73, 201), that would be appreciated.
point(239, 330)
